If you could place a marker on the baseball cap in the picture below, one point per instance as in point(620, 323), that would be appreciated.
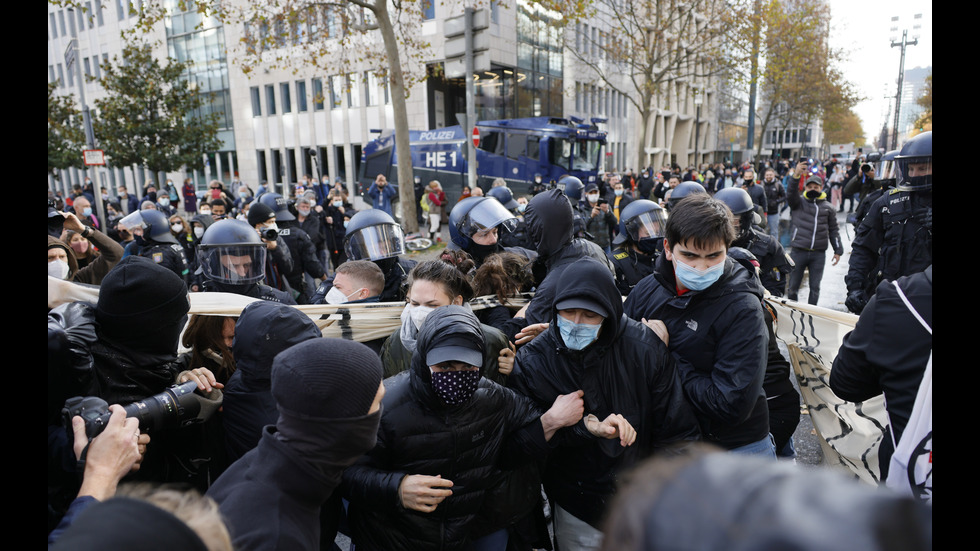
point(584, 303)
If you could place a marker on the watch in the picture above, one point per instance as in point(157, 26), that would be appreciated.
point(86, 232)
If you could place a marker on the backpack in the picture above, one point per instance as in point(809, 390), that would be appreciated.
point(424, 203)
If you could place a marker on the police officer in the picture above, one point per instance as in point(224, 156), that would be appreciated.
point(881, 186)
point(572, 187)
point(774, 263)
point(476, 224)
point(682, 190)
point(372, 234)
point(232, 259)
point(160, 245)
point(300, 245)
point(518, 236)
point(638, 243)
point(895, 238)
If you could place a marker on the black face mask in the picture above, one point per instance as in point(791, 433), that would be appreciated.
point(747, 181)
point(650, 246)
point(479, 252)
point(812, 194)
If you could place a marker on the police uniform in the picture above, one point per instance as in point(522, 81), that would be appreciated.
point(775, 263)
point(170, 256)
point(631, 267)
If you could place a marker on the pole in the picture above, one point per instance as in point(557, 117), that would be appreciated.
point(470, 93)
point(697, 137)
point(86, 120)
point(901, 77)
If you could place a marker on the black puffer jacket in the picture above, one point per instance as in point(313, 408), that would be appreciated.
point(628, 371)
point(419, 434)
point(720, 334)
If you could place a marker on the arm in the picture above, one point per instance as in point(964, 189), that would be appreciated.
point(855, 376)
point(834, 233)
point(110, 252)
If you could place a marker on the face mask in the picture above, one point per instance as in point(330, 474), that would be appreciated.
point(164, 201)
point(205, 211)
point(618, 192)
point(58, 269)
point(242, 216)
point(521, 207)
point(695, 279)
point(303, 212)
point(812, 195)
point(338, 204)
point(272, 226)
point(418, 314)
point(593, 197)
point(650, 245)
point(577, 335)
point(87, 211)
point(747, 181)
point(456, 387)
point(537, 180)
point(199, 232)
point(177, 228)
point(346, 222)
point(79, 246)
point(336, 296)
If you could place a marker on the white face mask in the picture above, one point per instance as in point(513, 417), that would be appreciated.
point(338, 203)
point(177, 228)
point(199, 232)
point(593, 197)
point(205, 211)
point(417, 314)
point(336, 296)
point(58, 269)
point(164, 201)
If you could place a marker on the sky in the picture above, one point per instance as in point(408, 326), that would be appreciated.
point(862, 28)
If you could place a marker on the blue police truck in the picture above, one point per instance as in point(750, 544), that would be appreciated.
point(513, 149)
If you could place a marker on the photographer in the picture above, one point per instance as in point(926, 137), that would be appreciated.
point(280, 261)
point(601, 219)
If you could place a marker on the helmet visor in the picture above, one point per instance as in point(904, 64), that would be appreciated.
point(485, 216)
point(132, 220)
point(376, 242)
point(648, 224)
point(233, 264)
point(914, 172)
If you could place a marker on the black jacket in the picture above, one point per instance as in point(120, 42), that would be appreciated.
point(814, 222)
point(774, 264)
point(887, 352)
point(631, 267)
point(720, 336)
point(628, 371)
point(775, 194)
point(420, 434)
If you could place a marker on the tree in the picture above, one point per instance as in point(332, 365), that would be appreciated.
point(66, 137)
point(924, 121)
point(651, 44)
point(843, 128)
point(152, 115)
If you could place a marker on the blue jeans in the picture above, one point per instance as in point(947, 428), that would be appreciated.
point(765, 447)
point(813, 261)
point(496, 541)
point(773, 221)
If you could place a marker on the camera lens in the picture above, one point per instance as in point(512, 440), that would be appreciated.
point(168, 409)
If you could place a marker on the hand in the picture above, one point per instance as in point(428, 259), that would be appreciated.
point(328, 219)
point(72, 222)
point(528, 333)
point(566, 411)
point(657, 327)
point(505, 360)
point(318, 208)
point(111, 455)
point(423, 493)
point(604, 207)
point(612, 427)
point(595, 212)
point(835, 260)
point(856, 301)
point(270, 244)
point(202, 376)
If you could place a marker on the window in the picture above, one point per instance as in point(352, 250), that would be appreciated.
point(372, 88)
point(492, 142)
point(88, 67)
point(516, 144)
point(98, 13)
point(578, 101)
point(260, 158)
point(428, 9)
point(54, 26)
point(71, 75)
point(287, 105)
point(300, 96)
point(270, 99)
point(61, 76)
point(336, 91)
point(89, 15)
point(317, 94)
point(61, 22)
point(533, 147)
point(256, 102)
point(353, 90)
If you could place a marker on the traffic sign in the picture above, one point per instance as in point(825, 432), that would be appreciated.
point(93, 157)
point(476, 137)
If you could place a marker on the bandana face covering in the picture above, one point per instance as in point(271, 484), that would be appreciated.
point(456, 387)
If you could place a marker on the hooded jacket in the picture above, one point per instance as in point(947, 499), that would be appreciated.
point(627, 370)
point(420, 434)
point(719, 337)
point(814, 221)
point(550, 220)
point(264, 329)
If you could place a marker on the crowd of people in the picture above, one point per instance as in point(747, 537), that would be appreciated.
point(626, 377)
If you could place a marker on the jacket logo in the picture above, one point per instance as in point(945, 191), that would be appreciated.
point(157, 257)
point(692, 325)
point(478, 436)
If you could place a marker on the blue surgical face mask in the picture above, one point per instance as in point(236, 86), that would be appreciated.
point(618, 191)
point(577, 335)
point(87, 211)
point(695, 279)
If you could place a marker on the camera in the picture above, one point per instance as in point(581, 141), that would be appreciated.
point(269, 234)
point(601, 202)
point(176, 406)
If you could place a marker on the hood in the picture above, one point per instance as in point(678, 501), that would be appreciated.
point(590, 279)
point(549, 219)
point(204, 219)
point(72, 261)
point(737, 503)
point(264, 329)
point(441, 325)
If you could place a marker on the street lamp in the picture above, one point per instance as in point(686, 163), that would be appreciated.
point(698, 100)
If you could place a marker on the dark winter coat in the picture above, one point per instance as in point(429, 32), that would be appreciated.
point(814, 222)
point(627, 371)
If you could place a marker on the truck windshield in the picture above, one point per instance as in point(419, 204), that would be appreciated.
point(577, 154)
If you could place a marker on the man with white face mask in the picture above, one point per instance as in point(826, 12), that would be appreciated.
point(356, 282)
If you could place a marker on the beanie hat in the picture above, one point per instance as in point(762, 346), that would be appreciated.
point(128, 523)
point(326, 378)
point(259, 213)
point(139, 296)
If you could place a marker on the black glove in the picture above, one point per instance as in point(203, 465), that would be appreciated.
point(924, 217)
point(856, 301)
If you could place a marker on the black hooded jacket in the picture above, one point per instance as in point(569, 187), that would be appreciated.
point(719, 336)
point(264, 330)
point(549, 223)
point(420, 434)
point(627, 370)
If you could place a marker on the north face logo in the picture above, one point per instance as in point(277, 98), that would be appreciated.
point(478, 436)
point(692, 325)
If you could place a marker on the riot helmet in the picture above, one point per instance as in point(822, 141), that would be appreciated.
point(279, 205)
point(231, 252)
point(478, 214)
point(156, 226)
point(913, 164)
point(642, 223)
point(372, 234)
point(572, 187)
point(740, 203)
point(504, 195)
point(682, 190)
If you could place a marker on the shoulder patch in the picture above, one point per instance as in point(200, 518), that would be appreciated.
point(157, 257)
point(620, 256)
